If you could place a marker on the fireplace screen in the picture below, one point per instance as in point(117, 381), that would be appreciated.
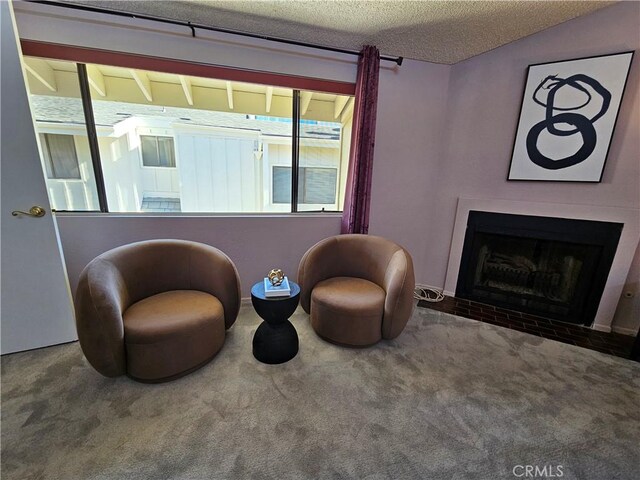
point(542, 274)
point(551, 267)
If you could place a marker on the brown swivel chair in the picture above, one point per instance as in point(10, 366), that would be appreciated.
point(358, 289)
point(156, 310)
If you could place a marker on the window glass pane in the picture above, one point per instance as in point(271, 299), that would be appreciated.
point(216, 141)
point(281, 185)
point(149, 146)
point(61, 156)
point(320, 185)
point(325, 141)
point(166, 152)
point(56, 105)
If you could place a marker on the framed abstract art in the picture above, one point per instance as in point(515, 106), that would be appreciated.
point(568, 114)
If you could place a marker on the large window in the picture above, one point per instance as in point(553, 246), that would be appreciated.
point(164, 142)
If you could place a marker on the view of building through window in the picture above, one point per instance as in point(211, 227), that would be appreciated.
point(171, 143)
point(60, 157)
point(60, 123)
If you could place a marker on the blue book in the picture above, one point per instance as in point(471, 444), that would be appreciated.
point(282, 290)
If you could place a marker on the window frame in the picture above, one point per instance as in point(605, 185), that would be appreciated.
point(82, 56)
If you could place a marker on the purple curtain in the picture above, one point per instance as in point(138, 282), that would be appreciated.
point(355, 218)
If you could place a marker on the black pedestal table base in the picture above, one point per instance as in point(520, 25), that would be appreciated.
point(276, 339)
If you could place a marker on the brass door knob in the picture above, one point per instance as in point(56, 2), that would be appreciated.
point(35, 211)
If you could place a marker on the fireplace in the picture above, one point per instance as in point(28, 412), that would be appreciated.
point(552, 267)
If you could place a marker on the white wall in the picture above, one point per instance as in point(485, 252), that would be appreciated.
point(218, 172)
point(156, 181)
point(71, 194)
point(122, 173)
point(312, 154)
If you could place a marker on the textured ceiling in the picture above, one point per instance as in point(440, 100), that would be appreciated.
point(434, 31)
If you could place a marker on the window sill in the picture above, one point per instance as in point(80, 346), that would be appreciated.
point(200, 215)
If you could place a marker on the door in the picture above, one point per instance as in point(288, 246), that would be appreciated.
point(36, 308)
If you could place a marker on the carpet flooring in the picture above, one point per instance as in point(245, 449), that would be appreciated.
point(451, 398)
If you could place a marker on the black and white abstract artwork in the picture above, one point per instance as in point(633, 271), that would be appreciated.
point(568, 115)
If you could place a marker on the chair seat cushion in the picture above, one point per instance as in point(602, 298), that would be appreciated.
point(172, 333)
point(348, 310)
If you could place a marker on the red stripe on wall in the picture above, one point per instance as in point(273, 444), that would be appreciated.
point(156, 64)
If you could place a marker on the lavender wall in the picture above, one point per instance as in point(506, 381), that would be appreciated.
point(482, 113)
point(409, 132)
point(443, 132)
point(255, 244)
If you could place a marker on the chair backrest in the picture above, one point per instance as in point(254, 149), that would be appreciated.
point(151, 267)
point(361, 256)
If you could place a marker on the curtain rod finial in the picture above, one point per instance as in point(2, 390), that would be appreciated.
point(399, 61)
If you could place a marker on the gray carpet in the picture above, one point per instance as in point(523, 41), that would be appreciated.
point(451, 398)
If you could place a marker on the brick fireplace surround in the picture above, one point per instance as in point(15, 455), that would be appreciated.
point(611, 343)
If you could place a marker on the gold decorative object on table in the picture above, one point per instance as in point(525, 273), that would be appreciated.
point(276, 277)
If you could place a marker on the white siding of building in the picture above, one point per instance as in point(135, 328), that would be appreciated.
point(216, 170)
point(122, 172)
point(71, 194)
point(313, 153)
point(156, 181)
point(218, 173)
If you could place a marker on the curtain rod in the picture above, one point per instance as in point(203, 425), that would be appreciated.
point(193, 26)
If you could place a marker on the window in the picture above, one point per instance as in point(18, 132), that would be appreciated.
point(157, 151)
point(281, 185)
point(165, 142)
point(61, 159)
point(317, 185)
point(324, 141)
point(56, 104)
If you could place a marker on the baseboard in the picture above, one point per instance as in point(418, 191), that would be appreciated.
point(625, 331)
point(245, 301)
point(601, 328)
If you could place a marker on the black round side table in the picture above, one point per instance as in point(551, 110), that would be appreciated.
point(276, 339)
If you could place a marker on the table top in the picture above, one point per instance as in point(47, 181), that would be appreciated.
point(258, 291)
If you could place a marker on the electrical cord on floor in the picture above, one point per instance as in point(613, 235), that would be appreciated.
point(428, 294)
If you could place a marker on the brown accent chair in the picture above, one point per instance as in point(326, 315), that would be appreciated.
point(156, 310)
point(357, 288)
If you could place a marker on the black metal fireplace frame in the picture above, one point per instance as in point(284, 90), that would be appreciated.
point(605, 235)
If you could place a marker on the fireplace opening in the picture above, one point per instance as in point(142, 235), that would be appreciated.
point(552, 267)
